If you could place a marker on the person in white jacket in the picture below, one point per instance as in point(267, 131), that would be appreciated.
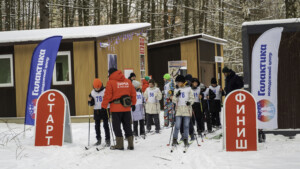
point(183, 98)
point(152, 96)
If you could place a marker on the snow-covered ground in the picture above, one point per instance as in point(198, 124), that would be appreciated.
point(17, 151)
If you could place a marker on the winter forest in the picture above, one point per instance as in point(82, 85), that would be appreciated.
point(168, 18)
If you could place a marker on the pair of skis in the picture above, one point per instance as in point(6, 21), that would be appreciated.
point(185, 147)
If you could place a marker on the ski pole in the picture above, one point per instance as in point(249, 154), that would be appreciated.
point(171, 131)
point(110, 126)
point(89, 131)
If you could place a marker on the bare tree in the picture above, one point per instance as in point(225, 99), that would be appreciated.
point(44, 14)
point(114, 12)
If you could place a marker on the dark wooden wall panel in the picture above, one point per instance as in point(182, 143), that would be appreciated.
point(207, 51)
point(8, 94)
point(288, 79)
point(158, 61)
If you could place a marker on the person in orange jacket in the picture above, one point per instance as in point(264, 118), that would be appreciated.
point(121, 95)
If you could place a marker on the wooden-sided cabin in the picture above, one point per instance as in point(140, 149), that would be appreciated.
point(288, 68)
point(83, 55)
point(199, 50)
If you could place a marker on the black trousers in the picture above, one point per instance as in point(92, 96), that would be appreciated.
point(142, 127)
point(215, 112)
point(123, 118)
point(98, 116)
point(150, 118)
point(206, 108)
point(199, 116)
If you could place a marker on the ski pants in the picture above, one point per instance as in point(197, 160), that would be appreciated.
point(98, 116)
point(142, 127)
point(123, 118)
point(150, 118)
point(168, 114)
point(199, 116)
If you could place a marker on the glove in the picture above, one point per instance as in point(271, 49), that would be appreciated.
point(103, 110)
point(188, 103)
point(171, 92)
point(178, 93)
point(133, 107)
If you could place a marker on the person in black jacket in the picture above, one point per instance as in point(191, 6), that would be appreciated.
point(233, 81)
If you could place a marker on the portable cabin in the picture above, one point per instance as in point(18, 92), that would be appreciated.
point(83, 55)
point(288, 67)
point(199, 50)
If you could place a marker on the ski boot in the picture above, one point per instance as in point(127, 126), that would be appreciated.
point(98, 142)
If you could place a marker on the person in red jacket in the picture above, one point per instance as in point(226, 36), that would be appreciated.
point(145, 83)
point(121, 95)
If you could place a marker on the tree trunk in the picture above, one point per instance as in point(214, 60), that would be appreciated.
point(290, 9)
point(153, 20)
point(44, 14)
point(114, 12)
point(221, 19)
point(186, 17)
point(142, 11)
point(148, 11)
point(175, 3)
point(67, 10)
point(32, 14)
point(125, 11)
point(73, 14)
point(0, 15)
point(166, 35)
point(86, 12)
point(7, 17)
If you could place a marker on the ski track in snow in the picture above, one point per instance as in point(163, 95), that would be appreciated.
point(277, 153)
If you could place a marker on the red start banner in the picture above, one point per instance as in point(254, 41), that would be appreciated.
point(240, 122)
point(50, 119)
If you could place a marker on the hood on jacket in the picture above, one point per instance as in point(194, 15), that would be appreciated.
point(117, 75)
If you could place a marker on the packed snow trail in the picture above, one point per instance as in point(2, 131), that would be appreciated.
point(19, 153)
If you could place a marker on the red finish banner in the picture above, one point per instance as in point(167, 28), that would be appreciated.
point(50, 118)
point(240, 122)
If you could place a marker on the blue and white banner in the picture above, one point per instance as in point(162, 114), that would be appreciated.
point(264, 72)
point(41, 70)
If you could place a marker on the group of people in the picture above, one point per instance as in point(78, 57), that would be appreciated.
point(186, 103)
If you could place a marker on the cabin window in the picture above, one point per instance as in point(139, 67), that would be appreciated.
point(62, 69)
point(6, 71)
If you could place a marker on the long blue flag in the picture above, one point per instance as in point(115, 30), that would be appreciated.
point(41, 70)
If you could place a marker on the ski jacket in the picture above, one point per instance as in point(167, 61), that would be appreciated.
point(187, 95)
point(116, 87)
point(152, 97)
point(233, 82)
point(145, 85)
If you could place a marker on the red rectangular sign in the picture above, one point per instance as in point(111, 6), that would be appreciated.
point(240, 122)
point(50, 118)
point(142, 46)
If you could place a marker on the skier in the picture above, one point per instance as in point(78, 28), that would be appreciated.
point(216, 103)
point(152, 96)
point(121, 95)
point(183, 98)
point(95, 99)
point(138, 114)
point(168, 105)
point(197, 106)
point(207, 96)
point(132, 76)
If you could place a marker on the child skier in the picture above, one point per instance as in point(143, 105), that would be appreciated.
point(95, 99)
point(216, 103)
point(152, 96)
point(206, 100)
point(138, 114)
point(197, 106)
point(168, 105)
point(183, 98)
